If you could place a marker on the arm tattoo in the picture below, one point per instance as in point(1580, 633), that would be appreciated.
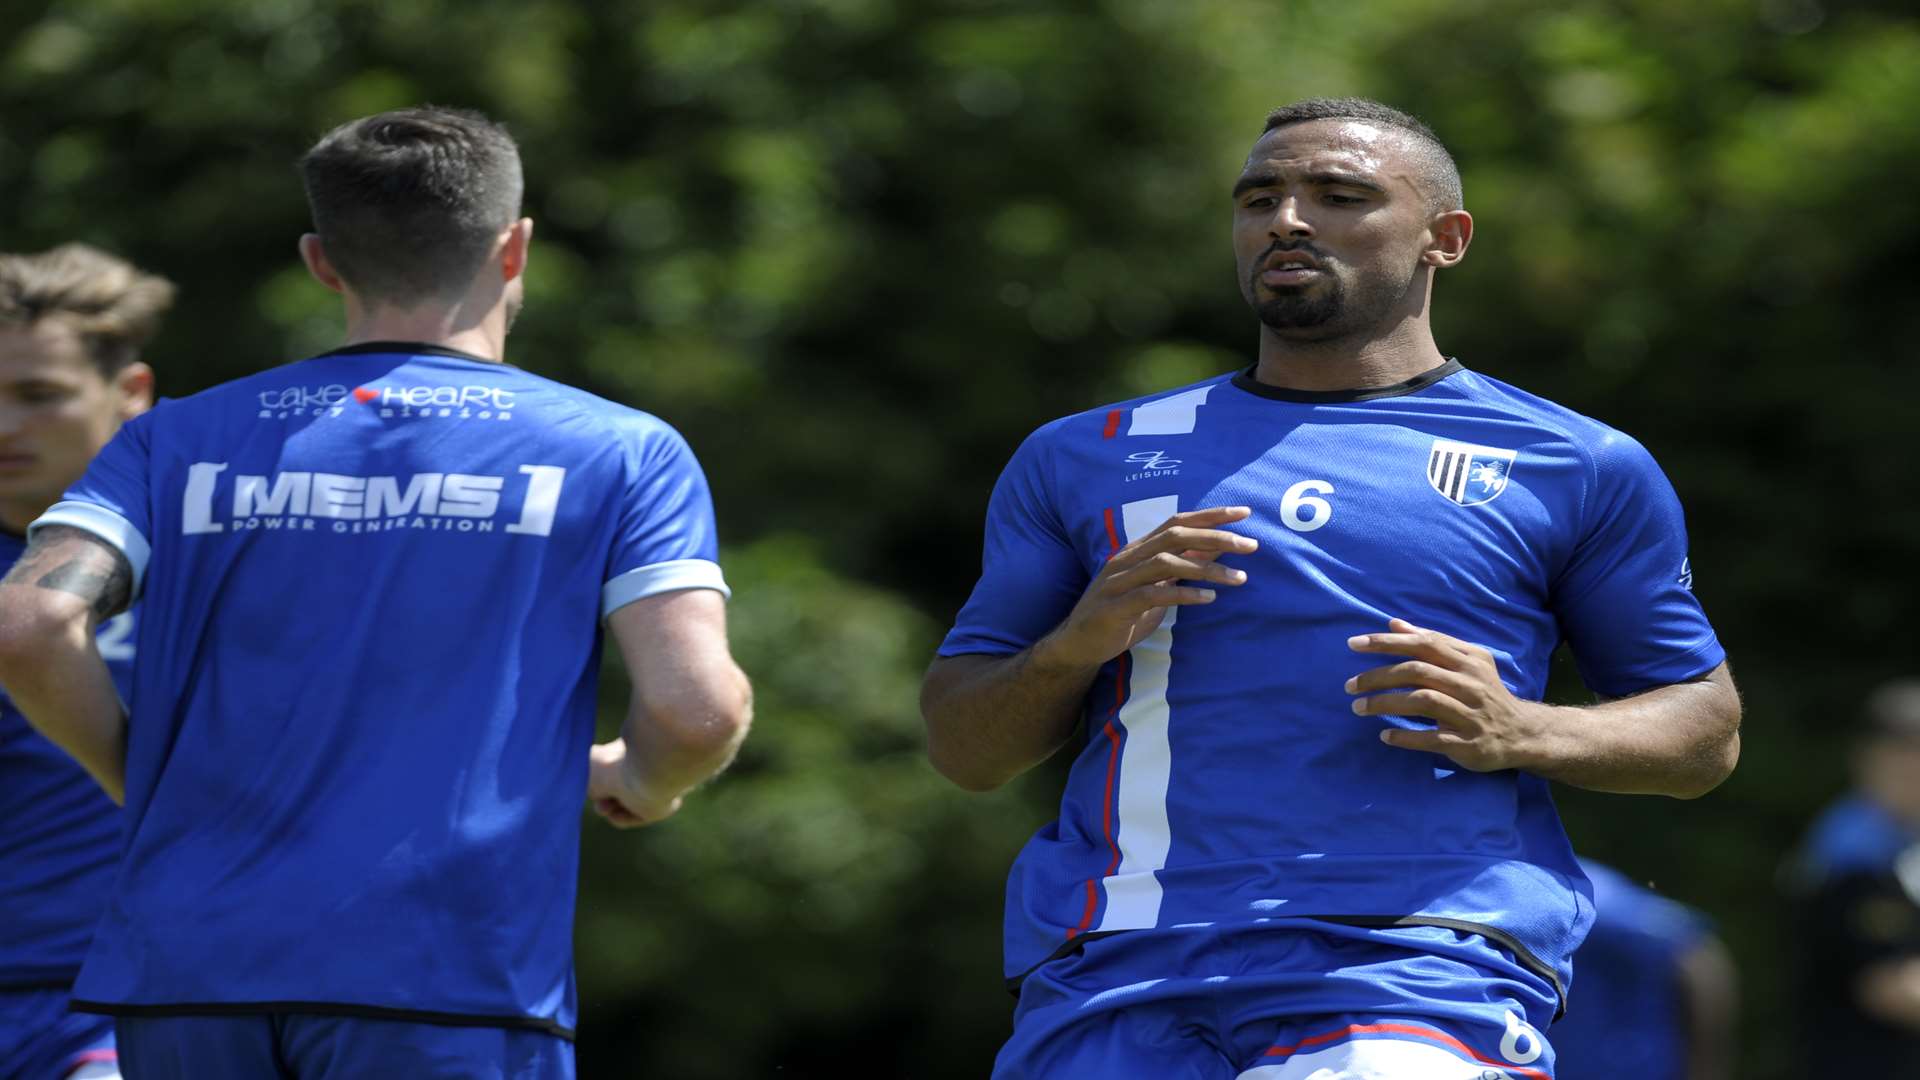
point(70, 560)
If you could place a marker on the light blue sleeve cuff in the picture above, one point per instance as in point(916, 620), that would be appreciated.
point(106, 525)
point(670, 576)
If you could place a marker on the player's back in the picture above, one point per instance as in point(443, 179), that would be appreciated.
point(370, 638)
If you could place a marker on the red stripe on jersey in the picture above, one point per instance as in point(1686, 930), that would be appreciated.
point(1113, 538)
point(1113, 424)
point(1106, 812)
point(1440, 1037)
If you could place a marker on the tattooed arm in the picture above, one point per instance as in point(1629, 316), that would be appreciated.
point(51, 603)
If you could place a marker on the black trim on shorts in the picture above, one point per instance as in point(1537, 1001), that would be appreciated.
point(407, 348)
point(1521, 954)
point(1245, 381)
point(326, 1008)
point(38, 986)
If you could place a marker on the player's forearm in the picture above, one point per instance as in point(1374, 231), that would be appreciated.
point(991, 718)
point(1680, 740)
point(675, 745)
point(52, 669)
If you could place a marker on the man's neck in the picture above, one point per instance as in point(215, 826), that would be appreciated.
point(1348, 363)
point(448, 328)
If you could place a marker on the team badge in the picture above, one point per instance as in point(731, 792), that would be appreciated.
point(1468, 474)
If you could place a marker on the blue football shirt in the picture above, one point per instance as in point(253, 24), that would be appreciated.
point(61, 833)
point(1224, 777)
point(1628, 1015)
point(371, 590)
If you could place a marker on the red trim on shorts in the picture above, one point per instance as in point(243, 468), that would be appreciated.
point(1440, 1037)
point(103, 1056)
point(1113, 424)
point(1106, 812)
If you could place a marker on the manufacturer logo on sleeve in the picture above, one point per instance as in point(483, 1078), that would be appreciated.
point(393, 402)
point(1468, 474)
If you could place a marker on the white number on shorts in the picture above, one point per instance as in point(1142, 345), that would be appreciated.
point(1520, 1032)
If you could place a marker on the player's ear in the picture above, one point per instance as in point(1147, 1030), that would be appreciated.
point(133, 390)
point(513, 249)
point(315, 256)
point(1448, 235)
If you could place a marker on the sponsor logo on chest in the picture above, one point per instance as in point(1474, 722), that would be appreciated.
point(393, 402)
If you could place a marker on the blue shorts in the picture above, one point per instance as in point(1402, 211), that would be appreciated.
point(1282, 1000)
point(310, 1046)
point(41, 1040)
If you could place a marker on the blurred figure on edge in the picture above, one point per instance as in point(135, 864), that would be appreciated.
point(1856, 886)
point(1654, 994)
point(72, 323)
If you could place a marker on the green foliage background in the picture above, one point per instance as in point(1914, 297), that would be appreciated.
point(855, 249)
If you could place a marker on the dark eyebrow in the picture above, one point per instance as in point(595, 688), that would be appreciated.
point(1251, 181)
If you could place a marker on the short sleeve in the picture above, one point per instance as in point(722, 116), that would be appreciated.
point(1030, 575)
point(111, 500)
point(1625, 597)
point(665, 539)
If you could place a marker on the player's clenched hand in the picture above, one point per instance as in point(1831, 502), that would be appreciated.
point(1130, 596)
point(1480, 725)
point(616, 794)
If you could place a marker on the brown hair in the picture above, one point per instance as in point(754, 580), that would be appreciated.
point(408, 203)
point(113, 305)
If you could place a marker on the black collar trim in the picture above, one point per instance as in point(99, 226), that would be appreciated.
point(1245, 381)
point(405, 348)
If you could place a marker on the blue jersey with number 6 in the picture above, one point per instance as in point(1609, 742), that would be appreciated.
point(1224, 778)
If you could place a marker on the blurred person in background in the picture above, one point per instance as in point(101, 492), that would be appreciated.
point(73, 322)
point(1275, 860)
point(373, 588)
point(1855, 884)
point(1654, 991)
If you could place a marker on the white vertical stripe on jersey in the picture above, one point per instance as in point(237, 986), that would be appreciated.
point(1170, 415)
point(1146, 760)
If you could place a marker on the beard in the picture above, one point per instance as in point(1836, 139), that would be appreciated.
point(1325, 305)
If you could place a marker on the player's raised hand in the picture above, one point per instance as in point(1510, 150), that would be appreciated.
point(1479, 724)
point(1130, 596)
point(616, 796)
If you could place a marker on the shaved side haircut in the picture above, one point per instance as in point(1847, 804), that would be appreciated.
point(1439, 176)
point(408, 203)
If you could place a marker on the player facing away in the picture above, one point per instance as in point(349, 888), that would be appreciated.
point(1305, 612)
point(373, 585)
point(73, 321)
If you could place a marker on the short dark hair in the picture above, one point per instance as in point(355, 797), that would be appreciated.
point(408, 203)
point(113, 305)
point(1437, 170)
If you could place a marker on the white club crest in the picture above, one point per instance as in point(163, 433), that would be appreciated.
point(1468, 474)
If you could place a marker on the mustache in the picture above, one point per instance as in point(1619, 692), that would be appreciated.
point(1304, 247)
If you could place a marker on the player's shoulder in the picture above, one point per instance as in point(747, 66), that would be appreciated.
point(1607, 448)
point(1152, 413)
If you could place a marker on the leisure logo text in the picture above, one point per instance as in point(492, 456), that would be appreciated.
point(306, 502)
point(1153, 464)
point(394, 402)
